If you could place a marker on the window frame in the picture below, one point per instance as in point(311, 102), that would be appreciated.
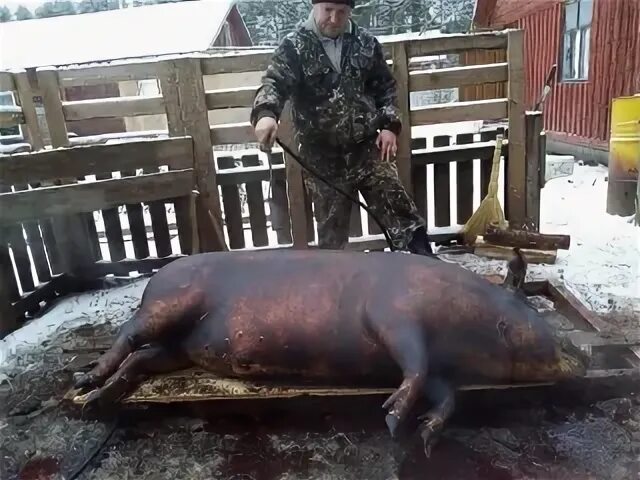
point(574, 67)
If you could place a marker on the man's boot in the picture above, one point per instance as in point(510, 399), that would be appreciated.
point(419, 243)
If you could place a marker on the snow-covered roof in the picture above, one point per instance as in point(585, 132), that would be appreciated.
point(161, 29)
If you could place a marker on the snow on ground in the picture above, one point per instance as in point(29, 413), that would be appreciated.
point(602, 265)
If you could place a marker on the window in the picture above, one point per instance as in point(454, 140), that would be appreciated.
point(8, 100)
point(576, 38)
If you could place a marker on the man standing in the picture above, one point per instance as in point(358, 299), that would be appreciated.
point(342, 96)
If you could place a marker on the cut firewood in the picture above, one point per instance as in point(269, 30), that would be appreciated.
point(502, 252)
point(525, 239)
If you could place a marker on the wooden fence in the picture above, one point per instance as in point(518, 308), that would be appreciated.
point(86, 207)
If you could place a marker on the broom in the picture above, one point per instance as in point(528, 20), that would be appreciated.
point(489, 210)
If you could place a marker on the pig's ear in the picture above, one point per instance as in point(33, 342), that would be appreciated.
point(516, 272)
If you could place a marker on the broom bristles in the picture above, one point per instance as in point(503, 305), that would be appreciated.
point(489, 210)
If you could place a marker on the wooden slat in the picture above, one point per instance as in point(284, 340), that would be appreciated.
point(88, 160)
point(232, 133)
point(237, 62)
point(279, 207)
point(8, 289)
point(255, 202)
point(113, 228)
point(11, 116)
point(401, 74)
point(237, 175)
point(25, 95)
point(137, 227)
point(87, 197)
point(535, 158)
point(464, 183)
point(441, 188)
point(84, 76)
point(114, 107)
point(459, 153)
point(602, 339)
point(296, 189)
point(421, 80)
point(493, 109)
point(515, 203)
point(456, 43)
point(232, 205)
point(230, 98)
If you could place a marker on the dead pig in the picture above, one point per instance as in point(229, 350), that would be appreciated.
point(336, 317)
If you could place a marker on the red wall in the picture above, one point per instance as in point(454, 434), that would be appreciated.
point(582, 109)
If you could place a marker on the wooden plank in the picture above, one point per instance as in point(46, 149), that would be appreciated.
point(126, 266)
point(79, 161)
point(296, 189)
point(419, 178)
point(232, 133)
point(493, 109)
point(137, 227)
point(516, 166)
point(72, 237)
point(97, 75)
point(232, 206)
point(501, 252)
point(196, 124)
point(114, 107)
point(25, 95)
point(454, 153)
point(535, 158)
point(456, 43)
point(421, 80)
point(255, 202)
point(441, 188)
point(237, 62)
point(87, 197)
point(185, 219)
point(11, 116)
point(112, 227)
point(400, 70)
point(279, 207)
point(236, 175)
point(13, 236)
point(230, 98)
point(464, 183)
point(624, 337)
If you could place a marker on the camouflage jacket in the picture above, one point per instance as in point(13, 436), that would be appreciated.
point(330, 109)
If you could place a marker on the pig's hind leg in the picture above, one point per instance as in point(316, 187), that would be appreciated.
point(407, 347)
point(442, 397)
point(139, 366)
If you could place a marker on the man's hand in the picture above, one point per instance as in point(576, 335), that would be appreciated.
point(266, 130)
point(387, 143)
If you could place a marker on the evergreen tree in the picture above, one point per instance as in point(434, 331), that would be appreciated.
point(55, 9)
point(23, 13)
point(5, 14)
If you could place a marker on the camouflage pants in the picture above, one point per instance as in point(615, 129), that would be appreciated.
point(377, 180)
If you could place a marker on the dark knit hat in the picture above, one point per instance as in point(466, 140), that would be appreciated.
point(351, 3)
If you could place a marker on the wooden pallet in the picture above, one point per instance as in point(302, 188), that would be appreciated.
point(617, 358)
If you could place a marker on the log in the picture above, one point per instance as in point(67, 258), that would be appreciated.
point(526, 239)
point(501, 252)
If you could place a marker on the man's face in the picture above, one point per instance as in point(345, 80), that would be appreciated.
point(332, 18)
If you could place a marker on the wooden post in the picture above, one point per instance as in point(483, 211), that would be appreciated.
point(71, 232)
point(25, 95)
point(295, 184)
point(516, 170)
point(535, 161)
point(193, 120)
point(401, 74)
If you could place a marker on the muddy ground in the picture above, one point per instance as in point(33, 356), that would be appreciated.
point(488, 438)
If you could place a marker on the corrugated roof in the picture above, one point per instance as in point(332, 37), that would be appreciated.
point(162, 29)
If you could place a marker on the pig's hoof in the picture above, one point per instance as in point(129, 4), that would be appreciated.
point(430, 429)
point(392, 422)
point(84, 380)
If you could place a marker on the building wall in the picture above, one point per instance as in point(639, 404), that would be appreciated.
point(578, 112)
